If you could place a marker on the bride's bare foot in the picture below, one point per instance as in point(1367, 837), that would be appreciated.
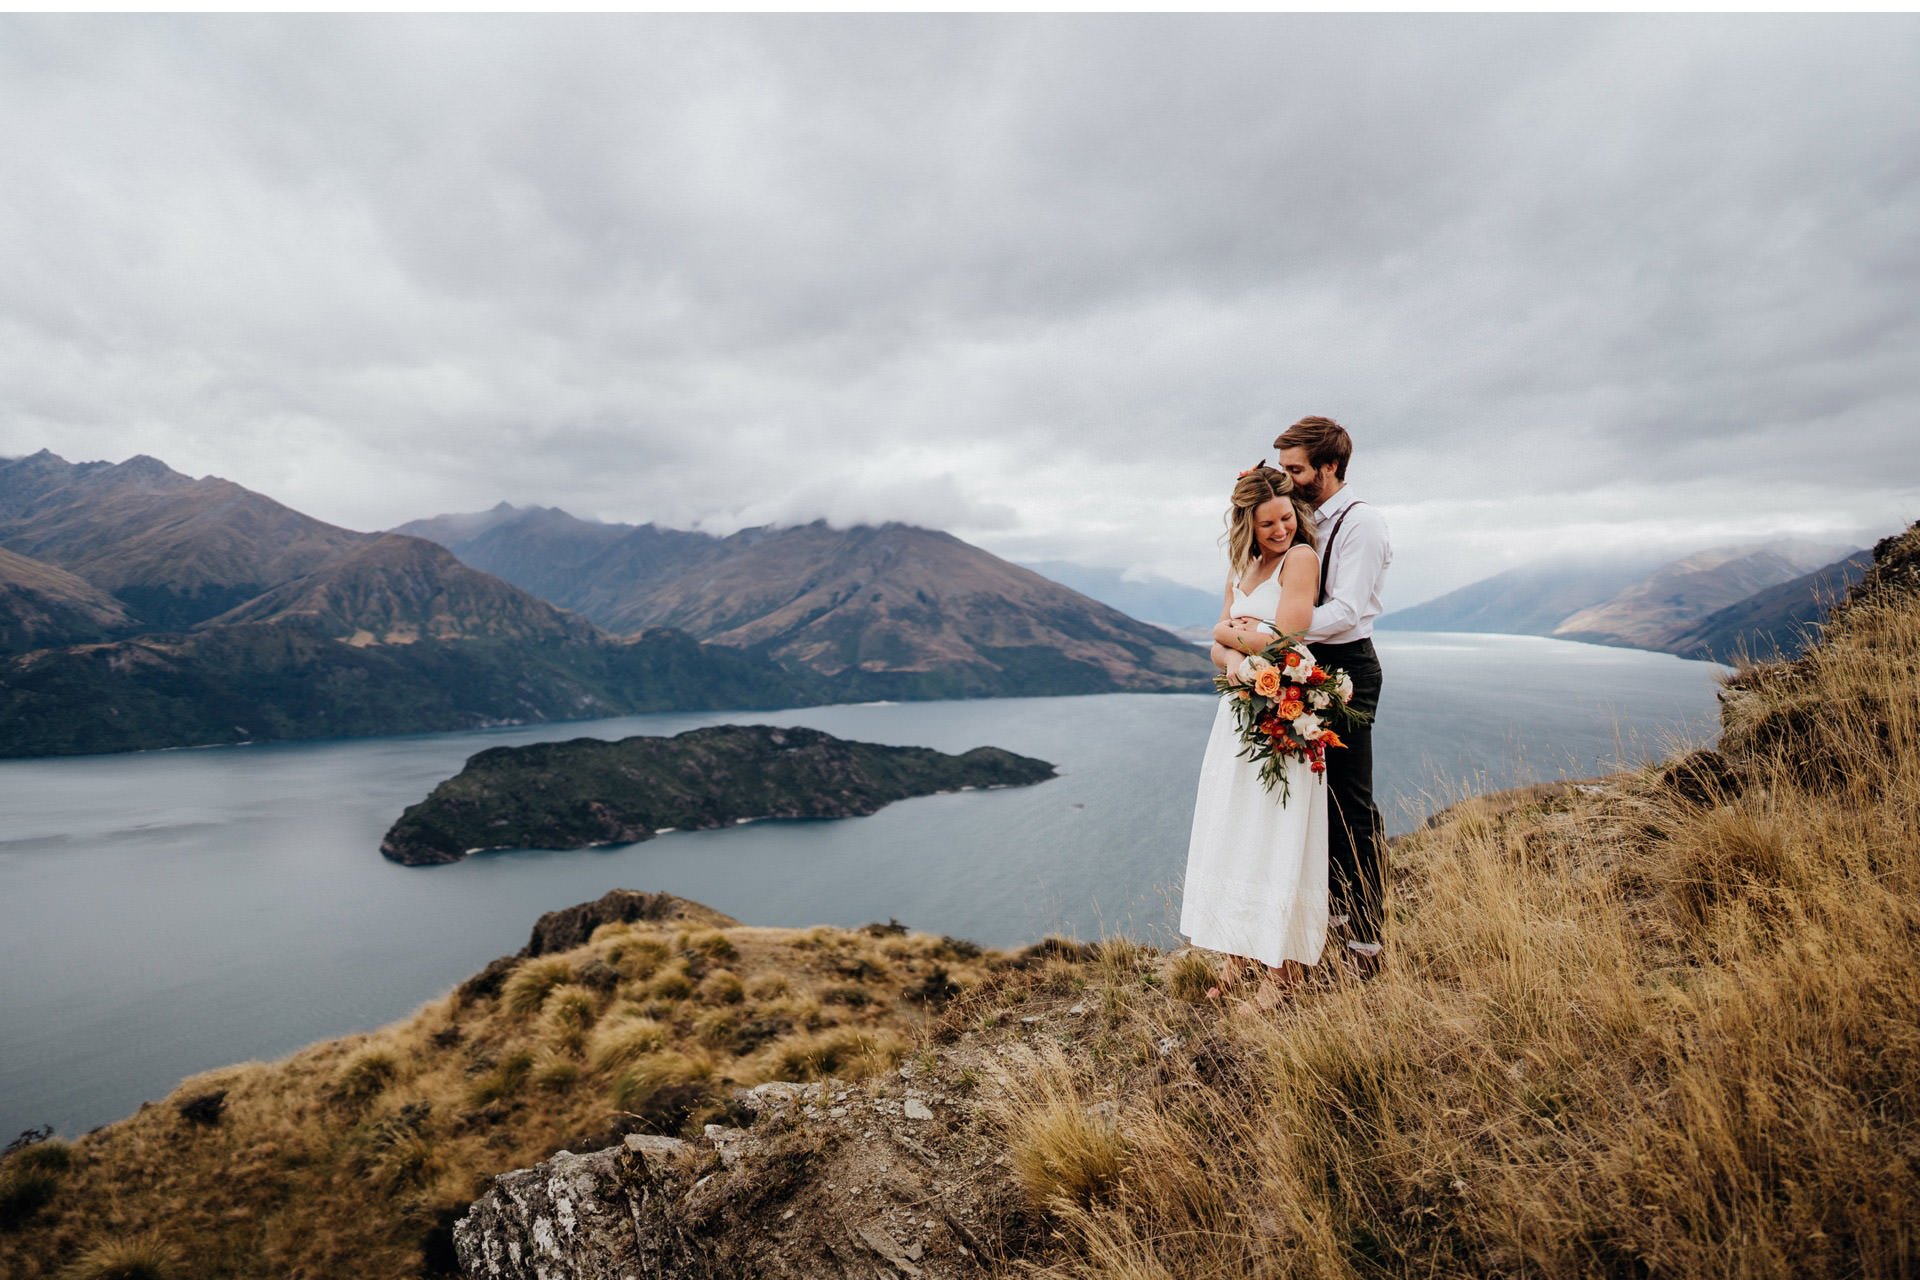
point(1278, 985)
point(1233, 971)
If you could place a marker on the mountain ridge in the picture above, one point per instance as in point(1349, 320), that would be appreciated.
point(1650, 603)
point(890, 610)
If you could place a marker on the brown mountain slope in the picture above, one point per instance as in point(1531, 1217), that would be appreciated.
point(888, 611)
point(1654, 612)
point(42, 605)
point(396, 590)
point(875, 604)
point(174, 550)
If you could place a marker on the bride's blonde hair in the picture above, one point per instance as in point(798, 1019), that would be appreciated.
point(1253, 489)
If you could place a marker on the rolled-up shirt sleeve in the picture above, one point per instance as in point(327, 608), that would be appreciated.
point(1360, 558)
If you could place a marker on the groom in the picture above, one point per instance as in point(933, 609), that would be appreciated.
point(1354, 555)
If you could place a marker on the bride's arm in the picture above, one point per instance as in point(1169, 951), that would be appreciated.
point(1299, 583)
point(1222, 653)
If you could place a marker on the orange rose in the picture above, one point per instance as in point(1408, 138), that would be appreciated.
point(1267, 683)
point(1290, 709)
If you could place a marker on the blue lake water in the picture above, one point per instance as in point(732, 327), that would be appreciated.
point(167, 912)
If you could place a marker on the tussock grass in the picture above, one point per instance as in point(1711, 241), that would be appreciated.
point(1066, 1152)
point(502, 1082)
point(23, 1192)
point(51, 1156)
point(667, 1089)
point(554, 1072)
point(1190, 976)
point(767, 986)
point(364, 1076)
point(850, 1052)
point(672, 983)
point(144, 1257)
point(712, 944)
point(636, 956)
point(721, 987)
point(618, 1042)
point(526, 988)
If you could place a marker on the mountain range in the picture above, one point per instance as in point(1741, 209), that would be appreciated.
point(140, 607)
point(1722, 604)
point(888, 611)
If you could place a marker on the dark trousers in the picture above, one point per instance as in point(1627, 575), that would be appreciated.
point(1356, 855)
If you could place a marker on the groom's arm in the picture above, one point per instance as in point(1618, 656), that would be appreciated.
point(1353, 584)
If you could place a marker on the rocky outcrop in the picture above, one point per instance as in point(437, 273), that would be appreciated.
point(893, 1178)
point(569, 795)
point(571, 927)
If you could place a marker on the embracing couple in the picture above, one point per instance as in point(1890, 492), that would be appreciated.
point(1272, 872)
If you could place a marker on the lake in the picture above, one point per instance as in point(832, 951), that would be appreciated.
point(166, 912)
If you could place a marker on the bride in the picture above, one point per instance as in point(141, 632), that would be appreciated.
point(1256, 884)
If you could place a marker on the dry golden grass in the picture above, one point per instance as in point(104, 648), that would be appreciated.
point(352, 1157)
point(1639, 1032)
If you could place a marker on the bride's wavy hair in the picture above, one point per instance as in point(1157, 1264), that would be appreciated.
point(1253, 489)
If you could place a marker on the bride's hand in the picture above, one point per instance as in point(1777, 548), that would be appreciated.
point(1248, 636)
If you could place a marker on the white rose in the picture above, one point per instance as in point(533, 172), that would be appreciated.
point(1255, 664)
point(1307, 727)
point(1318, 699)
point(1344, 687)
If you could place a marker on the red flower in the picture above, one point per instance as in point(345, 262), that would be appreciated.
point(1318, 677)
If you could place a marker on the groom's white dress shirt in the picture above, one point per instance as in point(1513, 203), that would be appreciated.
point(1356, 567)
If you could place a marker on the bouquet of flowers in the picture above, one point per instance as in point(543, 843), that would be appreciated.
point(1286, 706)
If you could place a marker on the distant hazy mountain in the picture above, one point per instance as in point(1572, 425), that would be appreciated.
point(888, 611)
point(1776, 622)
point(539, 549)
point(1529, 601)
point(173, 550)
point(41, 605)
point(1654, 612)
point(1161, 601)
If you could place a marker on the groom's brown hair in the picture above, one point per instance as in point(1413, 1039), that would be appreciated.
point(1325, 441)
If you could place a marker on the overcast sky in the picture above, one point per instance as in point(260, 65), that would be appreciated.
point(1573, 283)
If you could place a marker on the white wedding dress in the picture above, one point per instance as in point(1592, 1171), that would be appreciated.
point(1256, 865)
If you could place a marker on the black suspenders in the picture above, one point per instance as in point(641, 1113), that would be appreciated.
point(1326, 558)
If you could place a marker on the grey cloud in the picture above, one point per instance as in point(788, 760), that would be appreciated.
point(1050, 281)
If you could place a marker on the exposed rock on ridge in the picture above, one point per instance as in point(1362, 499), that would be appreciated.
point(893, 1177)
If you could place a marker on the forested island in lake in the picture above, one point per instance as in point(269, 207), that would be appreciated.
point(568, 795)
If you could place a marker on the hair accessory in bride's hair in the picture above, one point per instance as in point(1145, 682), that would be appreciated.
point(1250, 470)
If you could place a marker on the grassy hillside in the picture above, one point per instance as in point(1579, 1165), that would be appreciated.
point(351, 1158)
point(1659, 1026)
point(1663, 1028)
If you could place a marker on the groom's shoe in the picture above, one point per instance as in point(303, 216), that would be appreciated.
point(1365, 960)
